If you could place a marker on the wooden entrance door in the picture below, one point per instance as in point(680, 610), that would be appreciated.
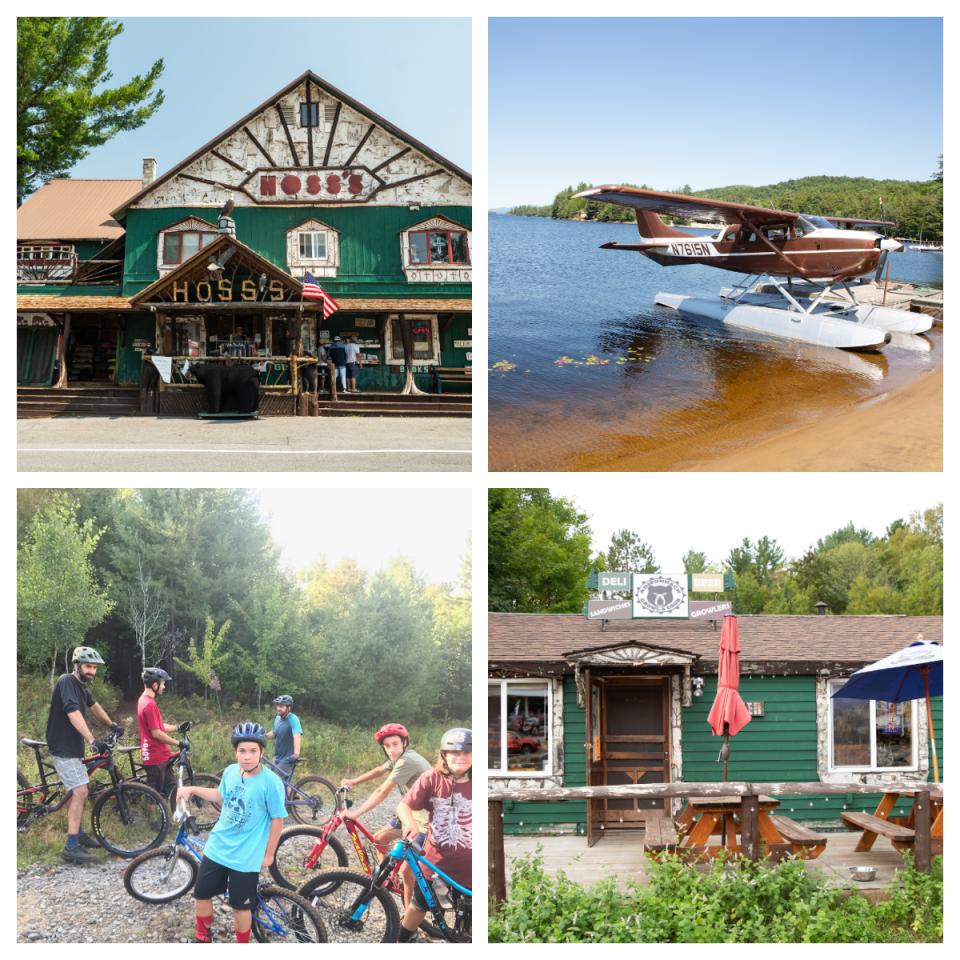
point(632, 745)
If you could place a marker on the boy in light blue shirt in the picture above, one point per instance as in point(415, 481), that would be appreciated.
point(245, 838)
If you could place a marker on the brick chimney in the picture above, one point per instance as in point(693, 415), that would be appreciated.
point(149, 171)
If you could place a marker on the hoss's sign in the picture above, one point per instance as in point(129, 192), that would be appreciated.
point(314, 185)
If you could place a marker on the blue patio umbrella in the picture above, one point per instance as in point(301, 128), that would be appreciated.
point(913, 673)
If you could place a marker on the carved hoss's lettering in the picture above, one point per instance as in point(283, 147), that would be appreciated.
point(203, 291)
point(248, 290)
point(181, 292)
point(276, 290)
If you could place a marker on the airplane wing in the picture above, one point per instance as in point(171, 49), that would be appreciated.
point(681, 205)
point(856, 221)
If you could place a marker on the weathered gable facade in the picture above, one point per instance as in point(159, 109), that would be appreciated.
point(572, 704)
point(320, 184)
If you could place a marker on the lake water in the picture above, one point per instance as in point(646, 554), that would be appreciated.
point(584, 364)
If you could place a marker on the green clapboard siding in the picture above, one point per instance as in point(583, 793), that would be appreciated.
point(781, 745)
point(370, 256)
point(532, 817)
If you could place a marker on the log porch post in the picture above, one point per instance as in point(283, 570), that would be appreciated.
point(496, 866)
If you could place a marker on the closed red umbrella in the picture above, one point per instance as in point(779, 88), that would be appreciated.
point(729, 714)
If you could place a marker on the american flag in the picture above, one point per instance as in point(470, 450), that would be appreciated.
point(313, 291)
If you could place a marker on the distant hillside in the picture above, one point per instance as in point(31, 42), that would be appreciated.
point(914, 205)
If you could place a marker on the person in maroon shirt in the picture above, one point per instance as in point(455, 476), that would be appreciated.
point(447, 793)
point(155, 741)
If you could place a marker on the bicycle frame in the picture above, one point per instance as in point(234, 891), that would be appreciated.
point(288, 784)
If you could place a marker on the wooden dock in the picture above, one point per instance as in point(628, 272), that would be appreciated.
point(620, 856)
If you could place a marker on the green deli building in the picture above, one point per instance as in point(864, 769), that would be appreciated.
point(574, 702)
point(209, 259)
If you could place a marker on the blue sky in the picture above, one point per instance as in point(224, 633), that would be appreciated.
point(710, 102)
point(217, 70)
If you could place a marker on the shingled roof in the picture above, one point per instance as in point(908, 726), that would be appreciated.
point(66, 209)
point(527, 638)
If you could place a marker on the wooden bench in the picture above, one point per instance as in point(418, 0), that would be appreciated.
point(660, 835)
point(804, 840)
point(899, 835)
point(451, 374)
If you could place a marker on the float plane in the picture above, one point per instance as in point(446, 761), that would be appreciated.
point(820, 252)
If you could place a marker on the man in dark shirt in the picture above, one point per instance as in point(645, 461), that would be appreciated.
point(66, 732)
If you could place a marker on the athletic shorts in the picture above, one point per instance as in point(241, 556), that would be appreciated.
point(395, 823)
point(353, 370)
point(157, 776)
point(71, 771)
point(213, 879)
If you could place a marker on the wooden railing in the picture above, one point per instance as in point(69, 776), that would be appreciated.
point(749, 794)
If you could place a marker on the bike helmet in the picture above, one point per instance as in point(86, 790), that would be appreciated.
point(155, 675)
point(284, 700)
point(87, 655)
point(457, 738)
point(247, 731)
point(392, 730)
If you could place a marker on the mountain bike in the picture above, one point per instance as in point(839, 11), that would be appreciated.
point(356, 907)
point(205, 812)
point(310, 799)
point(164, 875)
point(127, 817)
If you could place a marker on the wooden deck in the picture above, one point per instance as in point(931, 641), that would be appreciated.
point(620, 855)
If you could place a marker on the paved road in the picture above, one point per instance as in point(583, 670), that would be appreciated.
point(297, 444)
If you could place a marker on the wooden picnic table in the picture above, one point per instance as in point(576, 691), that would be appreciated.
point(898, 830)
point(705, 817)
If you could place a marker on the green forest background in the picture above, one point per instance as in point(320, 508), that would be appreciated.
point(540, 556)
point(189, 579)
point(915, 206)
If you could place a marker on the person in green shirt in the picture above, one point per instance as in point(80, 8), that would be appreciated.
point(403, 767)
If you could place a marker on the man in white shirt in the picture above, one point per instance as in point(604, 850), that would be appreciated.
point(353, 365)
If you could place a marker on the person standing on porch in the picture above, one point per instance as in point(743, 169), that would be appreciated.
point(338, 354)
point(353, 364)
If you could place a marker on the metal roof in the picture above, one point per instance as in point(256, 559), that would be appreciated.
point(74, 210)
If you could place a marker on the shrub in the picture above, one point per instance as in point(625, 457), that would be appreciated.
point(731, 901)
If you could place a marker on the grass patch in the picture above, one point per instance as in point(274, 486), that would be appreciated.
point(735, 901)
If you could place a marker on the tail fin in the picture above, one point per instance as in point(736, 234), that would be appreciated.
point(650, 225)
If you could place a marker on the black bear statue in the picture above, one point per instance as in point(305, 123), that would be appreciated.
point(230, 388)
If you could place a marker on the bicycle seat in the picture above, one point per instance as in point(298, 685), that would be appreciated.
point(27, 742)
point(128, 749)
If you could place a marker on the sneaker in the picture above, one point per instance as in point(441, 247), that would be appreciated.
point(76, 855)
point(91, 843)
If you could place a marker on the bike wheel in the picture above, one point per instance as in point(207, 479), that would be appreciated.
point(160, 876)
point(282, 916)
point(320, 790)
point(296, 844)
point(205, 812)
point(335, 894)
point(130, 819)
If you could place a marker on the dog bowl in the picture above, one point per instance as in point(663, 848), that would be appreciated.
point(863, 874)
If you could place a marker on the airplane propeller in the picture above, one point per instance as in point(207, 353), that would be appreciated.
point(886, 245)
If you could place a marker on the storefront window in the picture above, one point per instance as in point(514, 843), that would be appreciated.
point(872, 734)
point(422, 336)
point(518, 726)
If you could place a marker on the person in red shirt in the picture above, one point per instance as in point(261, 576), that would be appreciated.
point(155, 741)
point(447, 793)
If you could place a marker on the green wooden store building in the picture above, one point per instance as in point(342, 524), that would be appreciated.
point(574, 702)
point(310, 181)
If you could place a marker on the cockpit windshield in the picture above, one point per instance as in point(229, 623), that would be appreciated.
point(815, 222)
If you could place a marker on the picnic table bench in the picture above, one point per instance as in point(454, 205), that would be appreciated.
point(899, 832)
point(443, 375)
point(798, 835)
point(660, 835)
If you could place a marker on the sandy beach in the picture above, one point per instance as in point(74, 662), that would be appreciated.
point(900, 431)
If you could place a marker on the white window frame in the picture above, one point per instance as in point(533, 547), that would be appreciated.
point(436, 272)
point(544, 684)
point(189, 225)
point(832, 687)
point(314, 243)
point(430, 318)
point(325, 266)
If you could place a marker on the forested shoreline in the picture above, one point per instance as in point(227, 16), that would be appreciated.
point(915, 206)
